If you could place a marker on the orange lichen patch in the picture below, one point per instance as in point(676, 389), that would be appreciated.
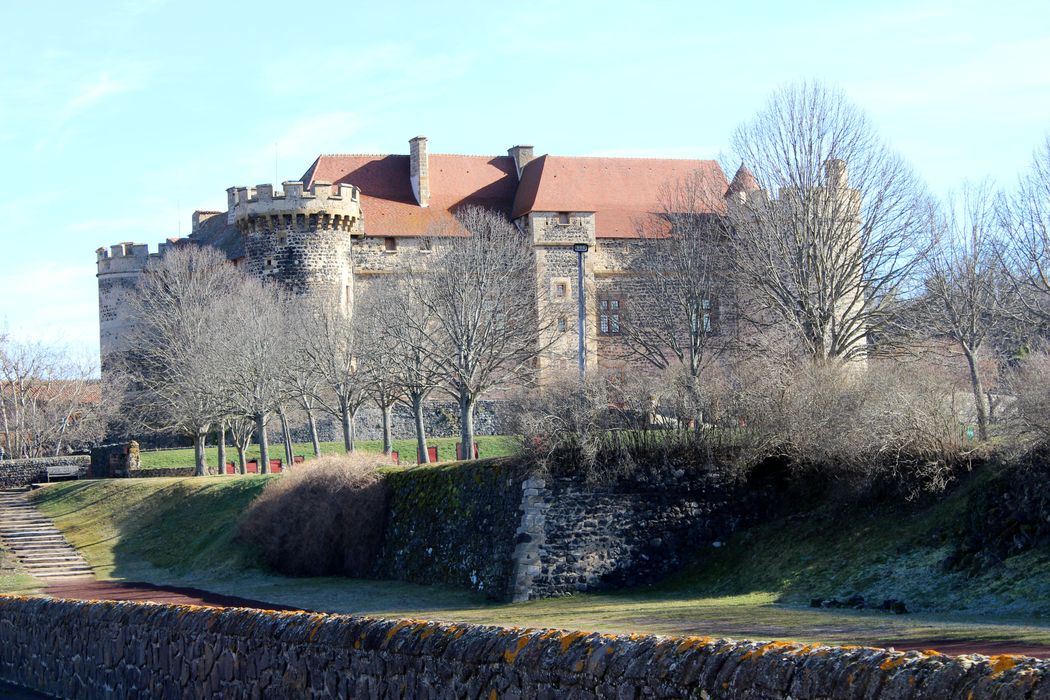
point(401, 624)
point(766, 648)
point(930, 652)
point(317, 627)
point(578, 668)
point(893, 662)
point(568, 639)
point(427, 633)
point(493, 695)
point(1003, 663)
point(511, 654)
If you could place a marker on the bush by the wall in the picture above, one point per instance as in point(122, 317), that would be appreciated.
point(324, 517)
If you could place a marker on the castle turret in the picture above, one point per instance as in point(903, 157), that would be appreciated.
point(119, 269)
point(299, 237)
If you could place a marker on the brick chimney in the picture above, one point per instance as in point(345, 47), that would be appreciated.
point(419, 169)
point(521, 155)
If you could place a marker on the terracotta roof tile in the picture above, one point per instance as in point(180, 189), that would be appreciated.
point(387, 201)
point(622, 192)
point(743, 181)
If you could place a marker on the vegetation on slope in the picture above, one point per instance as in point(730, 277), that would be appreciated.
point(880, 549)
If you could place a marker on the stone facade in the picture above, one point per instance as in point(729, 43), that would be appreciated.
point(19, 473)
point(129, 650)
point(515, 535)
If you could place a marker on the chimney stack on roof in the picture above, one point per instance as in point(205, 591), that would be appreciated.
point(419, 169)
point(522, 155)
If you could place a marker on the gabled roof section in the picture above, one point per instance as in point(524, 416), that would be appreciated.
point(388, 204)
point(622, 192)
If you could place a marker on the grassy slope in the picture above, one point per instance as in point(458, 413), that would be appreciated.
point(488, 446)
point(12, 579)
point(180, 531)
point(880, 552)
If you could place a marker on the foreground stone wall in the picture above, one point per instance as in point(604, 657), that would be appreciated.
point(18, 473)
point(122, 650)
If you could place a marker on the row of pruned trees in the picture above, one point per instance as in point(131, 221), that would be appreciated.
point(218, 350)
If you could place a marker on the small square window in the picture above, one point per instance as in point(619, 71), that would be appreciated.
point(563, 218)
point(390, 244)
point(561, 290)
point(562, 324)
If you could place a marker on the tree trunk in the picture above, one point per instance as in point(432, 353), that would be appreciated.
point(199, 466)
point(286, 434)
point(242, 466)
point(264, 444)
point(312, 422)
point(466, 425)
point(348, 424)
point(222, 447)
point(979, 398)
point(353, 430)
point(422, 455)
point(388, 437)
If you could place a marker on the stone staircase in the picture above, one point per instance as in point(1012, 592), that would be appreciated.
point(35, 542)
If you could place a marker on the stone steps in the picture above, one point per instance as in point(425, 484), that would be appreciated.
point(36, 544)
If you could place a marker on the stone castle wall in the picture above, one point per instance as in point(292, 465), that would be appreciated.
point(127, 650)
point(500, 529)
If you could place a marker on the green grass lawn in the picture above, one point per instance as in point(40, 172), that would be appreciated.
point(181, 532)
point(13, 579)
point(488, 446)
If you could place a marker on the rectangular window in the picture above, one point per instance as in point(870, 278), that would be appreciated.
point(563, 218)
point(608, 316)
point(390, 244)
point(561, 290)
point(562, 324)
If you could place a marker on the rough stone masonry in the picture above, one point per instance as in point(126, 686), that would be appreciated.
point(77, 649)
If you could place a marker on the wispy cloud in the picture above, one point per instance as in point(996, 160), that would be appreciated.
point(64, 309)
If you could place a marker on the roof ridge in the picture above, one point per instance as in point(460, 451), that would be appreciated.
point(684, 160)
point(405, 155)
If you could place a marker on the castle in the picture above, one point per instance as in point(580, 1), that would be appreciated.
point(351, 219)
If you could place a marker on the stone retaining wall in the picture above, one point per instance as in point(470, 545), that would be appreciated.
point(17, 473)
point(122, 650)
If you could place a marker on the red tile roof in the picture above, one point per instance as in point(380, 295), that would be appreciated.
point(387, 201)
point(621, 191)
point(743, 181)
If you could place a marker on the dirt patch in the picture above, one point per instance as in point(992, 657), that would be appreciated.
point(957, 647)
point(152, 593)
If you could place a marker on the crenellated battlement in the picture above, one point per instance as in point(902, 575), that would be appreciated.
point(127, 257)
point(322, 205)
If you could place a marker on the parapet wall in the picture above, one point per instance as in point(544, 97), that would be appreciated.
point(123, 650)
point(18, 473)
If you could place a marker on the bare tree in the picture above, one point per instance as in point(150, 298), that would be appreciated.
point(377, 366)
point(174, 362)
point(828, 257)
point(1025, 214)
point(49, 400)
point(969, 298)
point(672, 315)
point(329, 345)
point(303, 382)
point(254, 355)
point(242, 428)
point(416, 354)
point(481, 294)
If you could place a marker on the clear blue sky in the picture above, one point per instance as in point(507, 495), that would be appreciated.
point(118, 119)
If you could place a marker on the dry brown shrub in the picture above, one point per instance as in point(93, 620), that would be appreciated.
point(324, 517)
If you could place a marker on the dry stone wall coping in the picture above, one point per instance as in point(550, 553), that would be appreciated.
point(122, 649)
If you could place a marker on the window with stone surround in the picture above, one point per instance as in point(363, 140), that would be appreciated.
point(608, 316)
point(563, 218)
point(390, 244)
point(562, 324)
point(561, 290)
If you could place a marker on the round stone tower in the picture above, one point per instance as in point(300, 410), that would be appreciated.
point(299, 237)
point(119, 269)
